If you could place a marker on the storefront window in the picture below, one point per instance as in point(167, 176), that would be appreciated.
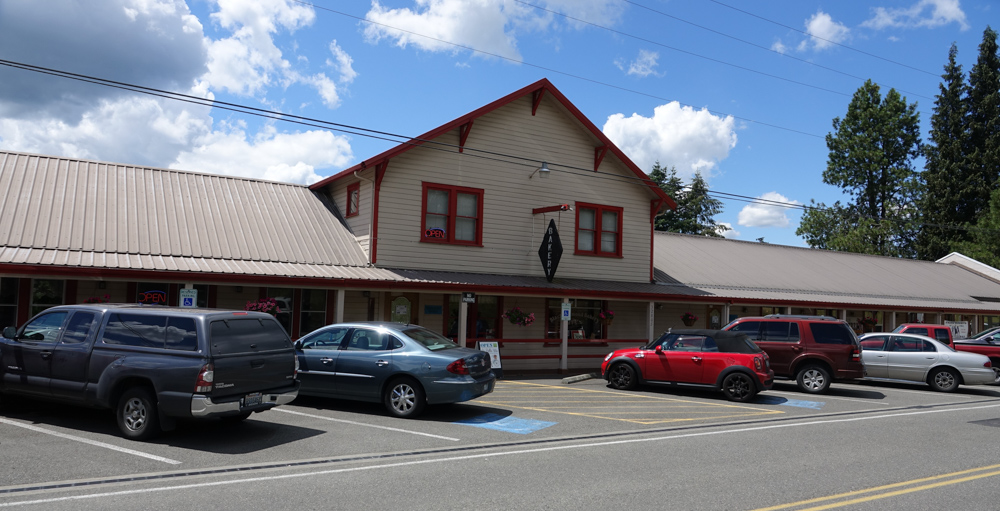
point(45, 293)
point(8, 301)
point(483, 320)
point(313, 313)
point(283, 296)
point(584, 322)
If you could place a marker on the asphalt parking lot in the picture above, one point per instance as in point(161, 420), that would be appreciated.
point(45, 444)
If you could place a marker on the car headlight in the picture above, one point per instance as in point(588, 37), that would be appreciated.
point(609, 356)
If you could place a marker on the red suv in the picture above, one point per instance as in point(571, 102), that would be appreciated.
point(814, 350)
point(725, 361)
point(940, 333)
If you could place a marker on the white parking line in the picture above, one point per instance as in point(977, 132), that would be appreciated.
point(88, 441)
point(363, 424)
point(280, 477)
point(929, 392)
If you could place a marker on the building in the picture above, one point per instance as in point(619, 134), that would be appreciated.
point(463, 208)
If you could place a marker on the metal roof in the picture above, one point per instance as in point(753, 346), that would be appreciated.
point(86, 213)
point(762, 271)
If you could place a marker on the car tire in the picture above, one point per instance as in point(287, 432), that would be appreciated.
point(622, 376)
point(739, 387)
point(233, 419)
point(943, 380)
point(138, 418)
point(404, 398)
point(813, 379)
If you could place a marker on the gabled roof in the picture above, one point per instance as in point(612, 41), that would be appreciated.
point(542, 86)
point(744, 270)
point(72, 212)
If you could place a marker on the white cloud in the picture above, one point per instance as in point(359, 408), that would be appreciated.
point(485, 25)
point(342, 62)
point(779, 47)
point(824, 31)
point(766, 215)
point(643, 66)
point(729, 233)
point(923, 14)
point(691, 140)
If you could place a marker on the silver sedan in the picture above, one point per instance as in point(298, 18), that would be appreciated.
point(402, 366)
point(918, 358)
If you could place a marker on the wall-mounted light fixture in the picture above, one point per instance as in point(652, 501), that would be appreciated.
point(542, 171)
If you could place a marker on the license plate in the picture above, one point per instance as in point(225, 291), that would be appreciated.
point(253, 399)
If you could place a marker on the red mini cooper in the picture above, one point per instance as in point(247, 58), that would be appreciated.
point(726, 361)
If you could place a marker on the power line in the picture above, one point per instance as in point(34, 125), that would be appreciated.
point(748, 13)
point(551, 70)
point(751, 43)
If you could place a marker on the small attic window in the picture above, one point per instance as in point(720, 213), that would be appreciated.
point(353, 199)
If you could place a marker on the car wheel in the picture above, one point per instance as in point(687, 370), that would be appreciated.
point(813, 379)
point(738, 387)
point(236, 418)
point(622, 376)
point(943, 380)
point(137, 414)
point(404, 398)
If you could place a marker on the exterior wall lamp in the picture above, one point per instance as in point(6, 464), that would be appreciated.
point(542, 171)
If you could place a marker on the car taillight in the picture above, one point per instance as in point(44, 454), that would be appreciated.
point(856, 353)
point(987, 364)
point(205, 379)
point(758, 363)
point(458, 367)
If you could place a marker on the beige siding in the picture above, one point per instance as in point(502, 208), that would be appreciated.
point(511, 234)
point(359, 224)
point(629, 322)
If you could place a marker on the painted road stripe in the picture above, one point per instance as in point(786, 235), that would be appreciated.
point(777, 400)
point(89, 441)
point(453, 459)
point(506, 424)
point(331, 419)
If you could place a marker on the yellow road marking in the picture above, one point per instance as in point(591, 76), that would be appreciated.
point(889, 487)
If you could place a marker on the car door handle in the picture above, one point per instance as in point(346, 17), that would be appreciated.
point(326, 360)
point(796, 348)
point(46, 354)
point(696, 359)
point(381, 363)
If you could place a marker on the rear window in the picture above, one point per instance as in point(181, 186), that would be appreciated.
point(151, 331)
point(831, 333)
point(780, 331)
point(246, 335)
point(943, 335)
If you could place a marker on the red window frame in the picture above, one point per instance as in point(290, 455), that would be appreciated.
point(453, 192)
point(351, 190)
point(599, 211)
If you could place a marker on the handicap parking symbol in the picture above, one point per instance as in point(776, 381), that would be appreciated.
point(188, 302)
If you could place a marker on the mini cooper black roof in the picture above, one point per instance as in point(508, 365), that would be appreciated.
point(728, 342)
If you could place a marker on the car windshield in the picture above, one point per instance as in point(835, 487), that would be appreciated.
point(429, 339)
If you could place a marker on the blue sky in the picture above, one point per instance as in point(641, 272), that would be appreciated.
point(742, 91)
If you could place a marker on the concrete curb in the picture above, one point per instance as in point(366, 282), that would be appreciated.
point(580, 377)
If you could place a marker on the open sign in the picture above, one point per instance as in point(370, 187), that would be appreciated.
point(153, 297)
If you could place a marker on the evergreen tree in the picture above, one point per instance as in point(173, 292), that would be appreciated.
point(984, 124)
point(696, 210)
point(985, 244)
point(946, 203)
point(871, 160)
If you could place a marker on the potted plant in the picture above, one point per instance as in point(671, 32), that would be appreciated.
point(98, 299)
point(607, 316)
point(516, 316)
point(268, 305)
point(688, 319)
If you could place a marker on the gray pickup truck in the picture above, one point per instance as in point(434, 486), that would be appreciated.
point(151, 364)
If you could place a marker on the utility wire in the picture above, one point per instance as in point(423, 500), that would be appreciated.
point(748, 13)
point(551, 70)
point(751, 43)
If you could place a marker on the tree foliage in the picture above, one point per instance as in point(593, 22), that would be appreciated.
point(871, 160)
point(985, 243)
point(696, 210)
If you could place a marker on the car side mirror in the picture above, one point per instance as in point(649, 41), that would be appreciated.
point(10, 332)
point(659, 348)
point(298, 345)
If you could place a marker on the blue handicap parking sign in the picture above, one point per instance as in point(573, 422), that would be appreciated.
point(189, 302)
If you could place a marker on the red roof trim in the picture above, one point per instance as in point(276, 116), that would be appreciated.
point(543, 85)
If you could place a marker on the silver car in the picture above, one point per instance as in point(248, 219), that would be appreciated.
point(912, 357)
point(403, 366)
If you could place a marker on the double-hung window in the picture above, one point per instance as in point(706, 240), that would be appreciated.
point(598, 230)
point(353, 199)
point(452, 214)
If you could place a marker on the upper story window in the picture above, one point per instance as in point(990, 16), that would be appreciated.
point(452, 214)
point(353, 199)
point(598, 230)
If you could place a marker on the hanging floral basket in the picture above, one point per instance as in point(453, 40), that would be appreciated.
point(688, 319)
point(607, 316)
point(267, 305)
point(516, 316)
